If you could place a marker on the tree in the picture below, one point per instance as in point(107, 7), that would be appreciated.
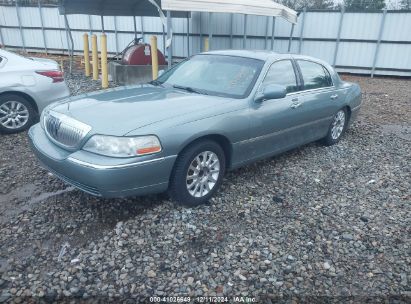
point(309, 4)
point(405, 4)
point(318, 4)
point(364, 4)
point(290, 3)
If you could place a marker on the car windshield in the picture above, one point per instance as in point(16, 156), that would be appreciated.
point(219, 75)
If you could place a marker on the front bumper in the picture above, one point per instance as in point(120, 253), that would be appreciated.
point(100, 175)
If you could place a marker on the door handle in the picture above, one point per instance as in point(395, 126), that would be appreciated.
point(295, 103)
point(334, 97)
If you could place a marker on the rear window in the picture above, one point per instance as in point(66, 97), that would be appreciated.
point(314, 75)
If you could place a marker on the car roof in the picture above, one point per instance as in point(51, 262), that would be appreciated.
point(264, 55)
point(255, 54)
point(10, 55)
point(4, 53)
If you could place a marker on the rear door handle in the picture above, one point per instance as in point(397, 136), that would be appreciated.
point(334, 97)
point(295, 103)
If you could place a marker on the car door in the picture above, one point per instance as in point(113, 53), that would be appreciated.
point(2, 73)
point(318, 100)
point(274, 122)
point(10, 78)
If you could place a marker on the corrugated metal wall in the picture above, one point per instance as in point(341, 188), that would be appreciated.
point(352, 41)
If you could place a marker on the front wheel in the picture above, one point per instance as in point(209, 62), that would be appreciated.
point(337, 128)
point(198, 173)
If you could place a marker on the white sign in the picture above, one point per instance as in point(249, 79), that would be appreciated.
point(147, 50)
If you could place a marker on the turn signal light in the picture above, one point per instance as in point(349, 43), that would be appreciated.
point(148, 150)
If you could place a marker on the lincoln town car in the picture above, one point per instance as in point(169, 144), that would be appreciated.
point(180, 133)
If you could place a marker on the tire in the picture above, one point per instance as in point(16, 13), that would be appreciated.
point(23, 113)
point(189, 187)
point(337, 128)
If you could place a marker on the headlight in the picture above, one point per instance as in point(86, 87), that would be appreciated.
point(123, 146)
point(43, 117)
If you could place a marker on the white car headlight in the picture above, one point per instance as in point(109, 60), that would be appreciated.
point(43, 117)
point(123, 146)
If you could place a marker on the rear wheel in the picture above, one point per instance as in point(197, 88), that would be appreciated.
point(16, 113)
point(198, 173)
point(337, 128)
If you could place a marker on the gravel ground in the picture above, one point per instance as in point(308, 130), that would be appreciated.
point(320, 224)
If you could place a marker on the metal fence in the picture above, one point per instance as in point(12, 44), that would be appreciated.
point(376, 42)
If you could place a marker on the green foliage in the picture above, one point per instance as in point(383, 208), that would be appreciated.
point(362, 5)
point(319, 4)
point(359, 5)
point(405, 4)
point(309, 4)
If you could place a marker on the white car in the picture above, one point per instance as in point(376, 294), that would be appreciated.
point(27, 86)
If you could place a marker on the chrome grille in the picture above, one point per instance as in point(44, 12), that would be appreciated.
point(65, 130)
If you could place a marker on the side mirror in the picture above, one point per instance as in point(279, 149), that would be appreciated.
point(161, 72)
point(271, 91)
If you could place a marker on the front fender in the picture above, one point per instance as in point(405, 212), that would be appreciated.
point(233, 126)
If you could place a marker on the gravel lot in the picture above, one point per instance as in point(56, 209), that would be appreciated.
point(318, 223)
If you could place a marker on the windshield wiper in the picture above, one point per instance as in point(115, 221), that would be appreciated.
point(189, 89)
point(156, 83)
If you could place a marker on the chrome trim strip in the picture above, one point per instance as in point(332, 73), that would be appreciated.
point(108, 167)
point(133, 96)
point(138, 188)
point(325, 89)
point(262, 137)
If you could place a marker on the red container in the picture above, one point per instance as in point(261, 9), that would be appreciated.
point(140, 54)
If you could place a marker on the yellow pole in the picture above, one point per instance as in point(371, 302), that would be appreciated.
point(206, 44)
point(104, 70)
point(86, 55)
point(94, 56)
point(154, 56)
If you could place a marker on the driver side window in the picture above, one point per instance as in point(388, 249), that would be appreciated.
point(282, 73)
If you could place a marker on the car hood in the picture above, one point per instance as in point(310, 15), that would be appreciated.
point(121, 110)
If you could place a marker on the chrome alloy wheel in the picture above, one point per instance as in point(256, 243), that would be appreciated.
point(338, 124)
point(13, 114)
point(202, 174)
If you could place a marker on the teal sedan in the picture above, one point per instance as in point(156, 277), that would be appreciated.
point(180, 133)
